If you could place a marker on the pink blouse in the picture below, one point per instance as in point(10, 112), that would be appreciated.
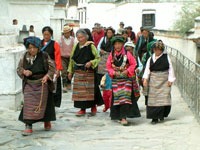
point(131, 68)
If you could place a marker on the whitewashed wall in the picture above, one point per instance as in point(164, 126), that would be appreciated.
point(72, 13)
point(186, 46)
point(10, 84)
point(27, 12)
point(131, 14)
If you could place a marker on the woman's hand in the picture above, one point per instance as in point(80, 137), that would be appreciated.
point(102, 52)
point(27, 73)
point(45, 79)
point(88, 65)
point(125, 73)
point(70, 76)
point(170, 84)
point(57, 73)
point(145, 83)
point(116, 74)
point(137, 70)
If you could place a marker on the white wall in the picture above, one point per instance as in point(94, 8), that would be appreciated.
point(101, 13)
point(109, 14)
point(187, 47)
point(10, 83)
point(72, 13)
point(28, 13)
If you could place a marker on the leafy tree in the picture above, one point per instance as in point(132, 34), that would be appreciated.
point(188, 13)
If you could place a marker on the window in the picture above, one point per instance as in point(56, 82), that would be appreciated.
point(148, 18)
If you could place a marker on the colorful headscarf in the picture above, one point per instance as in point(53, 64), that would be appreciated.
point(159, 44)
point(32, 40)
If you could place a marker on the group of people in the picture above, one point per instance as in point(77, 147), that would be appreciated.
point(102, 59)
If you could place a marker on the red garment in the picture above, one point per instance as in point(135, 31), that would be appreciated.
point(131, 60)
point(107, 97)
point(57, 56)
point(97, 37)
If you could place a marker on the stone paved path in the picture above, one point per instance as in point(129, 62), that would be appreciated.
point(179, 132)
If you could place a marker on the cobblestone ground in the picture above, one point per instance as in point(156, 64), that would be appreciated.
point(180, 131)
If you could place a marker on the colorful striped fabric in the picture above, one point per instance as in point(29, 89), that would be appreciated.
point(122, 89)
point(136, 88)
point(32, 95)
point(159, 92)
point(102, 69)
point(83, 88)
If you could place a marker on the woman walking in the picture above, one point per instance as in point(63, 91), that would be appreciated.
point(36, 69)
point(158, 76)
point(83, 62)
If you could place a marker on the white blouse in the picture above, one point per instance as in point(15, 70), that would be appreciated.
point(171, 76)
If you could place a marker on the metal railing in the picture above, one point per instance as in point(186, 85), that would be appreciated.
point(187, 79)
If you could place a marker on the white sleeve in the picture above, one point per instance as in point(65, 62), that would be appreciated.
point(171, 76)
point(147, 70)
point(99, 45)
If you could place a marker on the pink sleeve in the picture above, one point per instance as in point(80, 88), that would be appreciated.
point(132, 65)
point(109, 66)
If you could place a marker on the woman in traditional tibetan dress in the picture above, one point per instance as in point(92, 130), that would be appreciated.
point(121, 68)
point(83, 62)
point(36, 69)
point(158, 76)
point(53, 49)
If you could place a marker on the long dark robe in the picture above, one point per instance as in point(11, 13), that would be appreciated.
point(39, 68)
point(57, 97)
point(82, 56)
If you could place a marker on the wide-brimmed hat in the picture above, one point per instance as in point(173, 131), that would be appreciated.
point(117, 39)
point(67, 29)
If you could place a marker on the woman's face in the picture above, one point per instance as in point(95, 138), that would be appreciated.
point(145, 34)
point(130, 49)
point(32, 49)
point(82, 39)
point(109, 34)
point(67, 35)
point(125, 36)
point(118, 46)
point(47, 36)
point(157, 51)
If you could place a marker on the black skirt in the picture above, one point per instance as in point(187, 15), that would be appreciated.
point(50, 114)
point(58, 94)
point(158, 112)
point(125, 111)
point(98, 100)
